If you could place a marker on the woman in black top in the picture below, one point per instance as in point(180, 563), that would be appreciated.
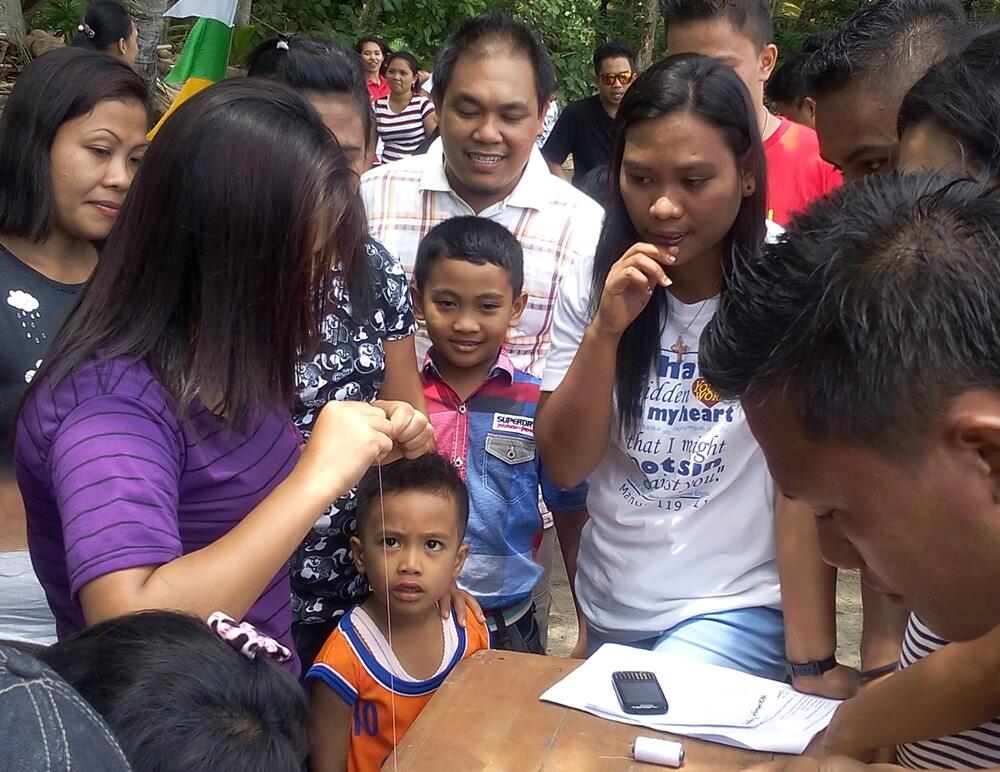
point(71, 139)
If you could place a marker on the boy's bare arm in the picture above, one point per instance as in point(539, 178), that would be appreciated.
point(329, 730)
point(951, 690)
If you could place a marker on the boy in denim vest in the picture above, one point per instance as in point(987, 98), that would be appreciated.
point(467, 289)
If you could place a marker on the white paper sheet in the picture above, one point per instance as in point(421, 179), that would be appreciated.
point(706, 701)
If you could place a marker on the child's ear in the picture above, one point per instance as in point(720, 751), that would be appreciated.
point(463, 553)
point(519, 304)
point(358, 553)
point(418, 302)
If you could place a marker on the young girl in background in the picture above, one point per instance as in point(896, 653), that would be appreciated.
point(678, 554)
point(373, 52)
point(405, 117)
point(71, 139)
point(156, 453)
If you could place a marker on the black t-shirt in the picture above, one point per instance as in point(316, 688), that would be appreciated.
point(34, 309)
point(584, 129)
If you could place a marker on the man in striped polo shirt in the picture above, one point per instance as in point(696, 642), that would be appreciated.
point(879, 409)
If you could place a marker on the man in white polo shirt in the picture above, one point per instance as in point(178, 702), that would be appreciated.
point(492, 82)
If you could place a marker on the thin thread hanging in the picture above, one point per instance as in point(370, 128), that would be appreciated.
point(388, 618)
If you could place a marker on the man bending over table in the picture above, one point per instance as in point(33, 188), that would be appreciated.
point(865, 348)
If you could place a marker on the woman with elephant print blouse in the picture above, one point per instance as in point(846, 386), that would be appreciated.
point(366, 349)
point(366, 352)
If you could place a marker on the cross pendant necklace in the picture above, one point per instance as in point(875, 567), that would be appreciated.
point(680, 348)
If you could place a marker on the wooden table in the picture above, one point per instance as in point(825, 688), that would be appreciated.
point(487, 717)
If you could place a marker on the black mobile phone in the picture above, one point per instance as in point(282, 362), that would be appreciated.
point(639, 692)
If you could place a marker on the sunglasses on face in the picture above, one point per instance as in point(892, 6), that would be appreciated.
point(608, 78)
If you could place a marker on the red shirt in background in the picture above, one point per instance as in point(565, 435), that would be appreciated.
point(378, 90)
point(796, 174)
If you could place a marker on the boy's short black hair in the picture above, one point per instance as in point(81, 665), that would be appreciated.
point(475, 240)
point(179, 699)
point(788, 84)
point(430, 473)
point(490, 27)
point(876, 307)
point(893, 41)
point(613, 50)
point(751, 18)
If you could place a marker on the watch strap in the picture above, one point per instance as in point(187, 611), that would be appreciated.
point(814, 668)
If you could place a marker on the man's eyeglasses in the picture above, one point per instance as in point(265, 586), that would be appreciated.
point(608, 78)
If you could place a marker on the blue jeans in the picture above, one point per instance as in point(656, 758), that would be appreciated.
point(747, 639)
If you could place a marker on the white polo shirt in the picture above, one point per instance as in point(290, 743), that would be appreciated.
point(555, 224)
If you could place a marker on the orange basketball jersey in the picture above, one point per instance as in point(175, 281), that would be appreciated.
point(358, 666)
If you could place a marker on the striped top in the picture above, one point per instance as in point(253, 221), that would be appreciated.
point(113, 479)
point(555, 224)
point(402, 132)
point(973, 749)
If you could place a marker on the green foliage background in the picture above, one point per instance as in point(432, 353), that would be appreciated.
point(570, 28)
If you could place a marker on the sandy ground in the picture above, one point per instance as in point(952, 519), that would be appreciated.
point(562, 620)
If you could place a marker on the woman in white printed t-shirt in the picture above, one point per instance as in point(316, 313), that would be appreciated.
point(678, 554)
point(406, 117)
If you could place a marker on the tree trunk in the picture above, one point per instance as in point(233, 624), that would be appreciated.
point(11, 20)
point(148, 18)
point(243, 9)
point(650, 20)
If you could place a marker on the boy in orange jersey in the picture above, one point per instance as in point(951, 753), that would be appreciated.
point(389, 655)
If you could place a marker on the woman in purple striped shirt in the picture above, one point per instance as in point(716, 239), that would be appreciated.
point(155, 450)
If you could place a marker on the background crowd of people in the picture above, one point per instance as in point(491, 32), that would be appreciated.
point(299, 398)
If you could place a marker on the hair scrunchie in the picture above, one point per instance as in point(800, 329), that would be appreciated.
point(245, 638)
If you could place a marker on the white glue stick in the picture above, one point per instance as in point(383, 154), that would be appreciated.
point(662, 752)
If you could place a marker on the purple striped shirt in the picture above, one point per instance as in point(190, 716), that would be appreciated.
point(112, 479)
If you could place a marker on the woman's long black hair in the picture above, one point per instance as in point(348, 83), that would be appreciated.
point(713, 92)
point(329, 69)
point(216, 271)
